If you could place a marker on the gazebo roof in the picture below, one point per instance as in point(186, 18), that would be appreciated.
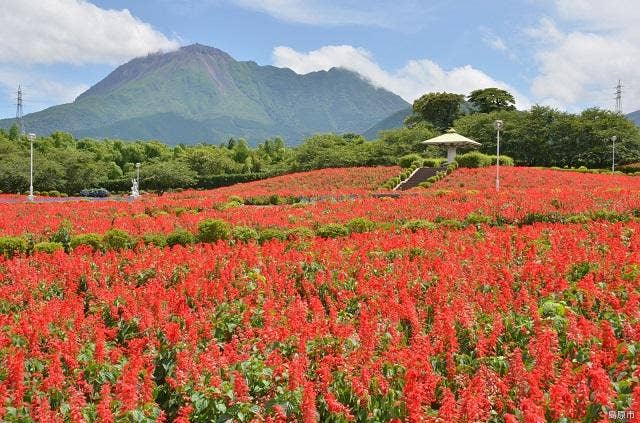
point(452, 139)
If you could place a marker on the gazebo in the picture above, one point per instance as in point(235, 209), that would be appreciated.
point(452, 141)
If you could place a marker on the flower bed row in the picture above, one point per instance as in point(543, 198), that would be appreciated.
point(479, 324)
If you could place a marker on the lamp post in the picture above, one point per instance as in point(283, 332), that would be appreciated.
point(32, 138)
point(613, 158)
point(498, 124)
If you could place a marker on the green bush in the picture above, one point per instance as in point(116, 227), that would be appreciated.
point(48, 247)
point(433, 161)
point(361, 225)
point(504, 160)
point(268, 234)
point(159, 240)
point(62, 236)
point(301, 232)
point(418, 225)
point(92, 240)
point(473, 159)
point(244, 233)
point(213, 230)
point(12, 245)
point(406, 161)
point(117, 239)
point(332, 230)
point(180, 237)
point(425, 184)
point(474, 218)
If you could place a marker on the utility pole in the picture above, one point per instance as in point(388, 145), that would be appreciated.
point(19, 112)
point(619, 97)
point(498, 125)
point(614, 138)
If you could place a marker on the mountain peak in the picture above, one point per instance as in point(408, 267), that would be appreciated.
point(200, 93)
point(203, 49)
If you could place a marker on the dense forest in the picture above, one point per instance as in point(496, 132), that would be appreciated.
point(541, 136)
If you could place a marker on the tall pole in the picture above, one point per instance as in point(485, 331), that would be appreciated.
point(32, 138)
point(19, 112)
point(498, 124)
point(613, 158)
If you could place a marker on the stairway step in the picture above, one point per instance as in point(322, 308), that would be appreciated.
point(419, 176)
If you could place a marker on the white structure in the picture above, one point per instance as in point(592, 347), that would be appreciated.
point(135, 183)
point(451, 140)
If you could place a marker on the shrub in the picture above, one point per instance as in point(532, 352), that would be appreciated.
point(244, 233)
point(92, 240)
point(419, 224)
point(12, 245)
point(235, 199)
point(159, 240)
point(504, 160)
point(473, 159)
point(301, 232)
point(361, 225)
point(62, 236)
point(332, 230)
point(433, 161)
point(48, 247)
point(117, 239)
point(474, 218)
point(268, 234)
point(406, 161)
point(213, 230)
point(180, 237)
point(425, 184)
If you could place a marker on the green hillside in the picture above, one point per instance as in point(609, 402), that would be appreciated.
point(396, 120)
point(634, 117)
point(200, 93)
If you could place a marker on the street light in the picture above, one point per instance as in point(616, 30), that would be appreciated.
point(32, 138)
point(498, 124)
point(613, 158)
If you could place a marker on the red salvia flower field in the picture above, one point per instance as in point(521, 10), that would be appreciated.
point(454, 303)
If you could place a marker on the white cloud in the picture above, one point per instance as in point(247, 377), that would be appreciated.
point(492, 40)
point(382, 13)
point(584, 50)
point(73, 31)
point(417, 77)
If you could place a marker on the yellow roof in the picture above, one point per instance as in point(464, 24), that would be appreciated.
point(452, 139)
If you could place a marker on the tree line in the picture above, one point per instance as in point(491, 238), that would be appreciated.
point(541, 136)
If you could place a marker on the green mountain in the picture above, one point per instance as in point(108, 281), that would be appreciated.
point(634, 117)
point(396, 120)
point(200, 93)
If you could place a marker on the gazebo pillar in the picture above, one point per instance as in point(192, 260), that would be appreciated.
point(451, 154)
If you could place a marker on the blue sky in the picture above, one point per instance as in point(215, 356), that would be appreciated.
point(564, 53)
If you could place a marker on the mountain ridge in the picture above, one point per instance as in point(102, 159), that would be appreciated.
point(200, 93)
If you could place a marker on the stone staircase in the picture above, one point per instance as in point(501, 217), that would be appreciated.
point(418, 176)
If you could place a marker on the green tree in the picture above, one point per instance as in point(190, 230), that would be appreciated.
point(161, 176)
point(14, 132)
point(439, 109)
point(208, 161)
point(489, 100)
